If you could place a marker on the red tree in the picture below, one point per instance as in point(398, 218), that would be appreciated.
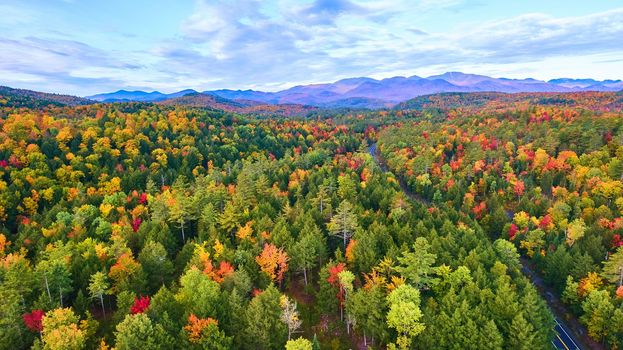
point(33, 320)
point(140, 305)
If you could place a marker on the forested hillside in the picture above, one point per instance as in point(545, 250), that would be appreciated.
point(548, 179)
point(131, 225)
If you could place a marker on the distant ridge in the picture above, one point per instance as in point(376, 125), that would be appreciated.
point(27, 98)
point(363, 92)
point(138, 96)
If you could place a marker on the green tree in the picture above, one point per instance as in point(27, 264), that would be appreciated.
point(56, 278)
point(299, 344)
point(198, 294)
point(597, 309)
point(368, 307)
point(98, 287)
point(507, 252)
point(306, 250)
point(404, 315)
point(344, 223)
point(522, 335)
point(265, 330)
point(136, 332)
point(182, 210)
point(156, 264)
point(417, 265)
point(613, 267)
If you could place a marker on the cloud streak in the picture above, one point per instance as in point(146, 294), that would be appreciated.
point(272, 44)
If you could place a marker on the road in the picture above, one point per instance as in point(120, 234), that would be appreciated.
point(563, 338)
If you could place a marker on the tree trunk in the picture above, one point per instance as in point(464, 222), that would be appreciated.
point(183, 236)
point(60, 293)
point(47, 286)
point(305, 275)
point(102, 301)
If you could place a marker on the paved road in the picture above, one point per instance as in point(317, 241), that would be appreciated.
point(563, 340)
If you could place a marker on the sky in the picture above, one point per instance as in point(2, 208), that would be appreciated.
point(83, 47)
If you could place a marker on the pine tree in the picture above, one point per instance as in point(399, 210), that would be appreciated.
point(136, 332)
point(538, 315)
point(344, 223)
point(522, 334)
point(263, 319)
point(613, 267)
point(417, 265)
point(491, 336)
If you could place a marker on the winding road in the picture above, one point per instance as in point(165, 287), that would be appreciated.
point(566, 337)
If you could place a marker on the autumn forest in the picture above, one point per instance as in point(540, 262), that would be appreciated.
point(447, 222)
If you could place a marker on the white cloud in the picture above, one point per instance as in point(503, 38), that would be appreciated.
point(269, 45)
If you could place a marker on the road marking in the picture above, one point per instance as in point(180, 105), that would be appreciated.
point(562, 342)
point(567, 334)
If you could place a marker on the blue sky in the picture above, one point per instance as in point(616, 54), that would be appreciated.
point(84, 47)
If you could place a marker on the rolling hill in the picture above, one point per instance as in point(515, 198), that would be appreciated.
point(11, 97)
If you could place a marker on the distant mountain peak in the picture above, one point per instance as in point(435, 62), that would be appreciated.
point(365, 91)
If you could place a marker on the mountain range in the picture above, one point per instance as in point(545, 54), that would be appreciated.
point(372, 93)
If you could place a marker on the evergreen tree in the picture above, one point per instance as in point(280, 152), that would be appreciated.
point(344, 222)
point(522, 335)
point(417, 265)
point(263, 319)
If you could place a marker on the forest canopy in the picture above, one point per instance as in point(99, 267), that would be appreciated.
point(138, 225)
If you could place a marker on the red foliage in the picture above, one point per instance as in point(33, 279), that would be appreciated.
point(617, 241)
point(140, 305)
point(14, 162)
point(334, 280)
point(143, 198)
point(33, 320)
point(545, 222)
point(136, 223)
point(4, 163)
point(607, 136)
point(479, 209)
point(512, 231)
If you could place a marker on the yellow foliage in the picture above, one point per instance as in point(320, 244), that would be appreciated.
point(105, 209)
point(3, 244)
point(245, 232)
point(218, 249)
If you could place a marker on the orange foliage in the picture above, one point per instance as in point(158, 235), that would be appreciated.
point(196, 325)
point(273, 261)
